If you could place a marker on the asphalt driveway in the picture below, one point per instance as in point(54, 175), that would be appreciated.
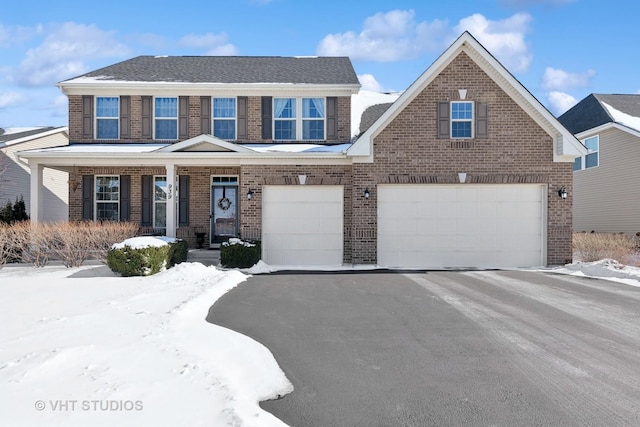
point(445, 348)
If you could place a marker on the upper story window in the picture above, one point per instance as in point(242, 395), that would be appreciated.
point(166, 118)
point(461, 119)
point(107, 198)
point(224, 118)
point(301, 119)
point(107, 117)
point(592, 158)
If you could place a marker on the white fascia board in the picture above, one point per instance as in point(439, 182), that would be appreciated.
point(180, 158)
point(611, 125)
point(111, 87)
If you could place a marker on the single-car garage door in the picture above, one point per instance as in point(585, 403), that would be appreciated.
point(458, 226)
point(302, 225)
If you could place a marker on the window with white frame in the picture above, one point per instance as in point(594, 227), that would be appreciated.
point(224, 118)
point(160, 202)
point(461, 119)
point(592, 158)
point(299, 118)
point(107, 198)
point(107, 117)
point(313, 118)
point(166, 118)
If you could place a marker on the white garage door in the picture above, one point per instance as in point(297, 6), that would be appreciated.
point(449, 226)
point(302, 225)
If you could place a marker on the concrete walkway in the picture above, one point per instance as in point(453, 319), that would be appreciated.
point(204, 256)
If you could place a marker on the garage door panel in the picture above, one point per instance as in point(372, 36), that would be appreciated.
point(460, 225)
point(302, 225)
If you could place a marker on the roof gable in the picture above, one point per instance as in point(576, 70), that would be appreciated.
point(598, 111)
point(566, 146)
point(204, 143)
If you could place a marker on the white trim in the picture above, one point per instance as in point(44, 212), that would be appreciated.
point(43, 134)
point(204, 138)
point(97, 87)
point(165, 201)
point(566, 147)
point(611, 125)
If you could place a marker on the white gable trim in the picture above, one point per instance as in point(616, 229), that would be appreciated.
point(204, 139)
point(565, 148)
point(611, 125)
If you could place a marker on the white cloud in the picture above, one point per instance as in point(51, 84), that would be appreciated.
point(64, 53)
point(556, 79)
point(214, 44)
point(560, 102)
point(10, 99)
point(15, 35)
point(369, 82)
point(390, 36)
point(503, 38)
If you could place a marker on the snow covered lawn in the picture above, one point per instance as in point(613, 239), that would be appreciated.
point(84, 347)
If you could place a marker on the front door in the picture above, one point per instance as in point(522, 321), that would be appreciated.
point(224, 209)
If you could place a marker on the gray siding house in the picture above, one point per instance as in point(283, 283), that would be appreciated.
point(15, 173)
point(606, 181)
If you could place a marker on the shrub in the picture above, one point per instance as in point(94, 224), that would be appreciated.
point(14, 212)
point(237, 253)
point(144, 261)
point(589, 247)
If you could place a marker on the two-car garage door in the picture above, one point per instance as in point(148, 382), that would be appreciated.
point(466, 225)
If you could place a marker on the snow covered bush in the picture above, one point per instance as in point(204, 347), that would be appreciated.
point(144, 256)
point(238, 253)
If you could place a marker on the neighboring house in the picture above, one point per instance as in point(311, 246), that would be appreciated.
point(14, 173)
point(463, 170)
point(607, 179)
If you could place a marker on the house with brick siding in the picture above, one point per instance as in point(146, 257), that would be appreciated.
point(465, 169)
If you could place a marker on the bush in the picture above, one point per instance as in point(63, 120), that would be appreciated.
point(129, 261)
point(589, 247)
point(14, 212)
point(71, 242)
point(237, 253)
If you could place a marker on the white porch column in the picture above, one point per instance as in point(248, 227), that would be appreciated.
point(35, 190)
point(171, 200)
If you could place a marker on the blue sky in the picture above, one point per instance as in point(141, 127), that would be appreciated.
point(561, 50)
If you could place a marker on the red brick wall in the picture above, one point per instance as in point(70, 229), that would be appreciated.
point(254, 119)
point(516, 151)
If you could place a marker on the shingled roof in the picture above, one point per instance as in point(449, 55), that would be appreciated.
point(591, 113)
point(229, 69)
point(19, 133)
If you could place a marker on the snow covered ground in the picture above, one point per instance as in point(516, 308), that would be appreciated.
point(84, 347)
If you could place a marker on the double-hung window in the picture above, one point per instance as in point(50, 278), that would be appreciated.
point(299, 118)
point(592, 158)
point(313, 118)
point(284, 118)
point(224, 118)
point(107, 198)
point(107, 117)
point(160, 201)
point(166, 118)
point(461, 119)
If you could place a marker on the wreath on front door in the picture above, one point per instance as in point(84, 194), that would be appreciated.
point(224, 203)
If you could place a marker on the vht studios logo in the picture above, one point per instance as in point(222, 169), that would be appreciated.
point(90, 405)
